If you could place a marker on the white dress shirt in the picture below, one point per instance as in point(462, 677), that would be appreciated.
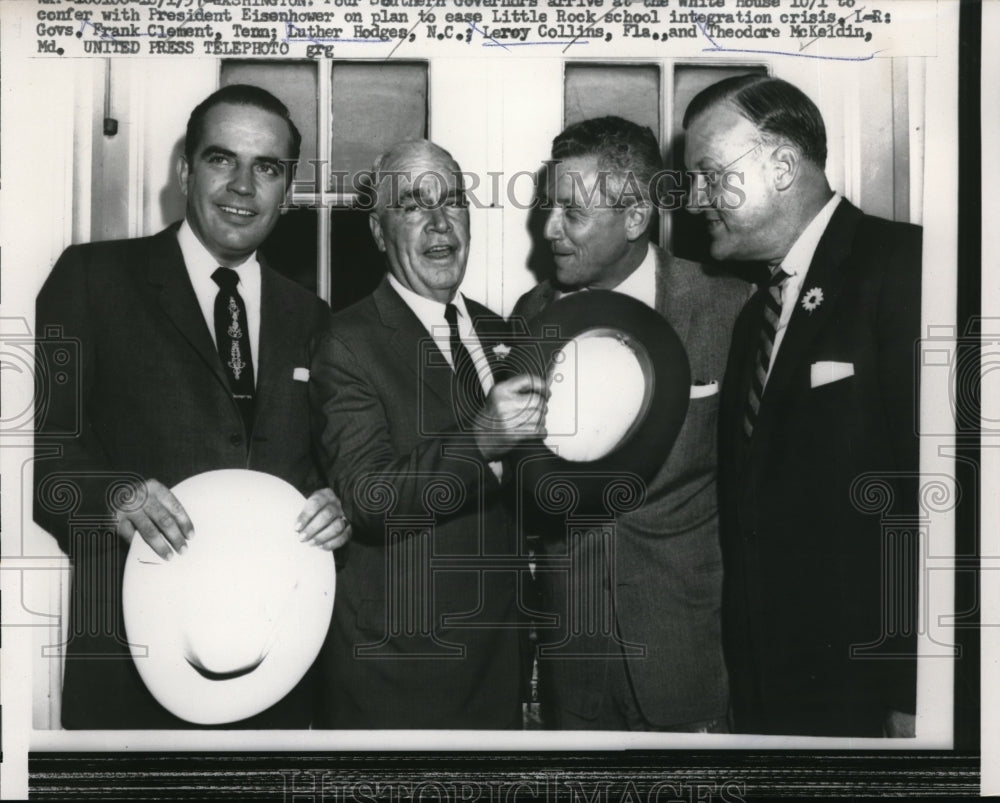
point(201, 265)
point(796, 265)
point(430, 313)
point(640, 284)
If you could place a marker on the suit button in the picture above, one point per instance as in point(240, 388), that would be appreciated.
point(236, 439)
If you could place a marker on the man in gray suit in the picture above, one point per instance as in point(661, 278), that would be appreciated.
point(658, 664)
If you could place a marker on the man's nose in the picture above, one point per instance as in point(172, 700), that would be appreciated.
point(699, 199)
point(553, 225)
point(702, 194)
point(241, 180)
point(437, 219)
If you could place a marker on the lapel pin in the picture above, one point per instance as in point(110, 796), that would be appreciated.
point(812, 299)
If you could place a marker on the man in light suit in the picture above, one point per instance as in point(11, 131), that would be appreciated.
point(660, 666)
point(819, 399)
point(165, 394)
point(413, 420)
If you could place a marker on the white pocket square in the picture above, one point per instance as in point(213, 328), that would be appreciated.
point(701, 391)
point(823, 373)
point(300, 374)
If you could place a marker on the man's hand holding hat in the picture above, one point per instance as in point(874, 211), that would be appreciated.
point(322, 521)
point(514, 412)
point(164, 524)
point(160, 519)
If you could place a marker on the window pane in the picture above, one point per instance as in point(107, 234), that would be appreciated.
point(690, 79)
point(688, 235)
point(356, 264)
point(374, 105)
point(294, 83)
point(291, 248)
point(597, 90)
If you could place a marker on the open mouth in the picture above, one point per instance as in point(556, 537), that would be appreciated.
point(236, 211)
point(439, 252)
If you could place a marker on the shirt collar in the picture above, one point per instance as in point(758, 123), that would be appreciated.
point(429, 311)
point(201, 264)
point(640, 284)
point(800, 255)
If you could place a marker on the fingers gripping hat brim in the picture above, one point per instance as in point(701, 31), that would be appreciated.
point(229, 627)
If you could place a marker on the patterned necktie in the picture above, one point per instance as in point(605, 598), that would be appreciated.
point(768, 328)
point(233, 340)
point(467, 391)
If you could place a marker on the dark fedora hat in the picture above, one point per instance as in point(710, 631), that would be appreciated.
point(619, 385)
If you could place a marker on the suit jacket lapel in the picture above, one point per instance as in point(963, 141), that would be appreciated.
point(826, 272)
point(671, 298)
point(537, 302)
point(492, 332)
point(167, 273)
point(411, 341)
point(278, 344)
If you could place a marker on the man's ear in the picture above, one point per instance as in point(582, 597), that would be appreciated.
point(376, 227)
point(286, 201)
point(786, 161)
point(637, 219)
point(183, 171)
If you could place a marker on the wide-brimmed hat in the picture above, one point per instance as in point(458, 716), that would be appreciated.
point(619, 386)
point(229, 627)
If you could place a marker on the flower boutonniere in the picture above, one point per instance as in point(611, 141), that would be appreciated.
point(501, 350)
point(812, 299)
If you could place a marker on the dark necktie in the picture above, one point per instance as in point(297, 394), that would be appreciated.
point(467, 391)
point(768, 328)
point(232, 337)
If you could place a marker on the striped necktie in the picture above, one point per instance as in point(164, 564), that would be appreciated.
point(768, 328)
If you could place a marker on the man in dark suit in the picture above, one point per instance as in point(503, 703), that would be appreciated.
point(819, 399)
point(660, 665)
point(412, 424)
point(193, 356)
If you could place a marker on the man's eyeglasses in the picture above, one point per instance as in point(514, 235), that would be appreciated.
point(708, 186)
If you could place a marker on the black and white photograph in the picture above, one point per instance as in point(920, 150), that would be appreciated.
point(497, 399)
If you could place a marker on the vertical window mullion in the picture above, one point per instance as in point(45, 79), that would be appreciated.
point(324, 144)
point(668, 137)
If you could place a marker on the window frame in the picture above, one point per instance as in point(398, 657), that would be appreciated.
point(666, 68)
point(317, 193)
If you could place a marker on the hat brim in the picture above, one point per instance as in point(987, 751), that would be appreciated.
point(644, 448)
point(243, 530)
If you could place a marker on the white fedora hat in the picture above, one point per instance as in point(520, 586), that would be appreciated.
point(227, 629)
